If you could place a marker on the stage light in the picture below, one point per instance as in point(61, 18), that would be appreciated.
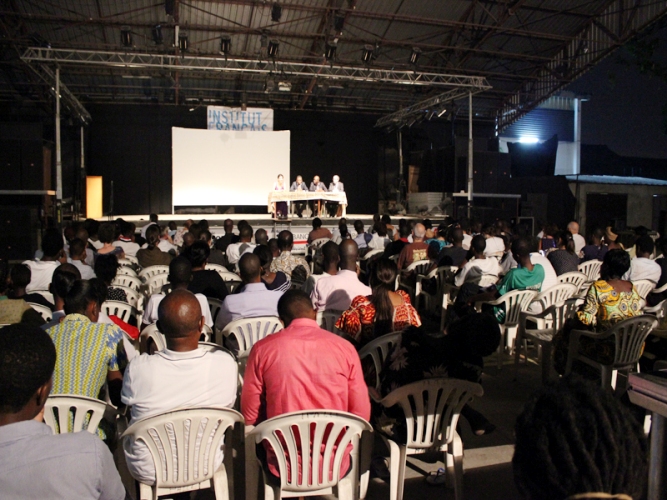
point(169, 7)
point(330, 50)
point(276, 12)
point(414, 57)
point(339, 22)
point(442, 113)
point(126, 36)
point(367, 54)
point(272, 49)
point(225, 44)
point(157, 34)
point(183, 41)
point(528, 140)
point(270, 85)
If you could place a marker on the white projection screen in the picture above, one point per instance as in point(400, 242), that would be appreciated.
point(215, 167)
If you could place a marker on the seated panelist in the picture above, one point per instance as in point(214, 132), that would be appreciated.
point(299, 185)
point(335, 187)
point(316, 185)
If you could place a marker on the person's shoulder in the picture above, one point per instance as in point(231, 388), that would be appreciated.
point(359, 301)
point(405, 295)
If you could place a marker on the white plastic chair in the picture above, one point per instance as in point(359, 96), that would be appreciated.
point(431, 302)
point(214, 306)
point(47, 295)
point(378, 349)
point(128, 281)
point(327, 319)
point(416, 268)
point(576, 278)
point(372, 253)
point(87, 413)
point(156, 282)
point(123, 310)
point(643, 287)
point(151, 333)
point(150, 271)
point(628, 335)
point(515, 302)
point(183, 444)
point(431, 408)
point(248, 331)
point(224, 273)
point(294, 436)
point(126, 269)
point(591, 269)
point(556, 294)
point(45, 312)
point(133, 260)
point(134, 298)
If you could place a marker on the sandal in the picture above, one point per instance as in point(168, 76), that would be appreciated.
point(437, 478)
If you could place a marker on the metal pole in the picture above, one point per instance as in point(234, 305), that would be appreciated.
point(470, 148)
point(82, 174)
point(399, 137)
point(59, 164)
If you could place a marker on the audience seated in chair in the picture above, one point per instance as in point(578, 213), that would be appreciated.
point(180, 276)
point(183, 375)
point(596, 249)
point(574, 440)
point(35, 463)
point(414, 251)
point(302, 368)
point(642, 267)
point(400, 241)
point(455, 254)
point(579, 240)
point(107, 235)
point(228, 238)
point(293, 266)
point(255, 300)
point(19, 277)
point(204, 281)
point(564, 259)
point(318, 231)
point(278, 281)
point(337, 292)
point(54, 255)
point(245, 245)
point(126, 239)
point(15, 310)
point(362, 239)
point(655, 298)
point(106, 268)
point(330, 260)
point(77, 256)
point(63, 278)
point(478, 269)
point(152, 255)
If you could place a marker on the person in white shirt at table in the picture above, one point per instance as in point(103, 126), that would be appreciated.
point(183, 375)
point(337, 292)
point(642, 267)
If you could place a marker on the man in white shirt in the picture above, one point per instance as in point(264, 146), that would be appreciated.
point(337, 292)
point(77, 254)
point(153, 222)
point(245, 245)
point(642, 267)
point(330, 262)
point(181, 376)
point(495, 246)
point(42, 270)
point(579, 240)
point(550, 277)
point(126, 239)
point(165, 244)
point(480, 270)
point(255, 299)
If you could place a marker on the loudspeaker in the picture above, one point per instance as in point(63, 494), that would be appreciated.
point(18, 226)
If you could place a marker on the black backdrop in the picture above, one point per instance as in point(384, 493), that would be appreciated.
point(131, 146)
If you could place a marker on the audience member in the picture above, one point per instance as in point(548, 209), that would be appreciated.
point(107, 235)
point(106, 269)
point(547, 242)
point(181, 231)
point(302, 368)
point(295, 267)
point(15, 310)
point(63, 278)
point(550, 277)
point(336, 292)
point(255, 300)
point(479, 270)
point(215, 256)
point(453, 255)
point(391, 230)
point(54, 255)
point(152, 221)
point(384, 311)
point(330, 260)
point(152, 255)
point(228, 238)
point(261, 237)
point(92, 227)
point(166, 244)
point(183, 375)
point(18, 280)
point(77, 255)
point(579, 240)
point(38, 464)
point(245, 245)
point(564, 259)
point(362, 239)
point(655, 298)
point(341, 233)
point(400, 241)
point(204, 281)
point(643, 267)
point(318, 231)
point(414, 251)
point(495, 246)
point(596, 249)
point(273, 246)
point(126, 239)
point(575, 440)
point(278, 281)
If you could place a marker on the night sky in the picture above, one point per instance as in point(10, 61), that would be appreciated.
point(624, 112)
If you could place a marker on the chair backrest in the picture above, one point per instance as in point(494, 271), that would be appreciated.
point(121, 309)
point(419, 266)
point(310, 446)
point(86, 413)
point(232, 285)
point(214, 306)
point(576, 278)
point(128, 281)
point(133, 260)
point(211, 347)
point(318, 243)
point(327, 319)
point(183, 443)
point(249, 331)
point(151, 332)
point(591, 269)
point(629, 336)
point(126, 269)
point(150, 271)
point(378, 349)
point(134, 298)
point(224, 273)
point(556, 294)
point(486, 280)
point(372, 253)
point(45, 312)
point(47, 295)
point(156, 282)
point(431, 408)
point(515, 302)
point(643, 287)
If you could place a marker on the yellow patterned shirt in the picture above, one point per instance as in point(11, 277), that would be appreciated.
point(604, 306)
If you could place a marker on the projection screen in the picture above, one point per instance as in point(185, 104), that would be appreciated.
point(215, 167)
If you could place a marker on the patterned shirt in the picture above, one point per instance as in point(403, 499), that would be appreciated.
point(286, 262)
point(604, 306)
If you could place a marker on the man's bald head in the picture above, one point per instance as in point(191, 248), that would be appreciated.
point(419, 231)
point(250, 268)
point(295, 304)
point(180, 316)
point(349, 252)
point(573, 227)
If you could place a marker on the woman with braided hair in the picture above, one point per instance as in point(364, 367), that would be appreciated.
point(576, 441)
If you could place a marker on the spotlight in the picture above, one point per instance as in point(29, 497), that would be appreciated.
point(157, 34)
point(338, 22)
point(270, 85)
point(272, 49)
point(225, 44)
point(126, 36)
point(183, 41)
point(414, 57)
point(442, 113)
point(276, 12)
point(367, 54)
point(330, 50)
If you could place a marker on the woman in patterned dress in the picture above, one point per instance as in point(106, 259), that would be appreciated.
point(383, 312)
point(608, 301)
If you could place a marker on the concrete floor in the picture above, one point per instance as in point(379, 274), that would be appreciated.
point(487, 459)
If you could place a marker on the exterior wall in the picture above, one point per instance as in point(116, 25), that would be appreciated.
point(640, 201)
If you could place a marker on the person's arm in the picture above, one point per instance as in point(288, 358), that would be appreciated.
point(358, 401)
point(402, 257)
point(109, 484)
point(341, 187)
point(252, 393)
point(589, 311)
point(220, 287)
point(224, 316)
point(115, 385)
point(483, 297)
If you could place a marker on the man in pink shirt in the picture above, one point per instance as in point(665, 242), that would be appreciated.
point(337, 292)
point(302, 368)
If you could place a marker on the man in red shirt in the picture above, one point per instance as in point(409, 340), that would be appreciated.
point(417, 250)
point(302, 368)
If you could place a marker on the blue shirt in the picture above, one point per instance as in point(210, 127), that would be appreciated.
point(255, 300)
point(35, 464)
